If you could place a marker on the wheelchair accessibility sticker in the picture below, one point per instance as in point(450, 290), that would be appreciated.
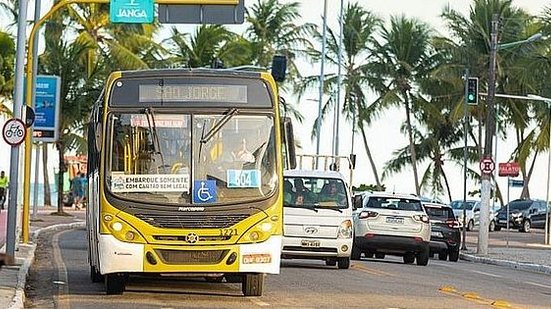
point(204, 191)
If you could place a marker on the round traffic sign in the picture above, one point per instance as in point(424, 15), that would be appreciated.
point(14, 131)
point(487, 165)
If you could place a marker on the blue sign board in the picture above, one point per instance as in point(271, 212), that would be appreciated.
point(46, 108)
point(516, 183)
point(204, 191)
point(243, 178)
point(131, 11)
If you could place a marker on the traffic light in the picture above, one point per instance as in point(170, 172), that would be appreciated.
point(472, 90)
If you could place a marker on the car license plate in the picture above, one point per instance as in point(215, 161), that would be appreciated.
point(394, 220)
point(310, 243)
point(436, 234)
point(502, 221)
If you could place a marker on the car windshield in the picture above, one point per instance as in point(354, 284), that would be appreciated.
point(440, 213)
point(314, 192)
point(394, 203)
point(519, 205)
point(459, 205)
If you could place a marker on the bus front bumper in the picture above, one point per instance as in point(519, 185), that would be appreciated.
point(121, 257)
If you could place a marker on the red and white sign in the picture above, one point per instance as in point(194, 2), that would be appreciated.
point(509, 169)
point(487, 165)
point(14, 131)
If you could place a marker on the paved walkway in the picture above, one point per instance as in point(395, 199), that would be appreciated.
point(529, 257)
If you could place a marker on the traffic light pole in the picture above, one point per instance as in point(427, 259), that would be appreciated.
point(465, 119)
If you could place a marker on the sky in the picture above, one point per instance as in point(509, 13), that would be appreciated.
point(384, 136)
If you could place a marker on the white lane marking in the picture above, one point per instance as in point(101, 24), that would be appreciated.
point(487, 274)
point(258, 302)
point(61, 299)
point(537, 284)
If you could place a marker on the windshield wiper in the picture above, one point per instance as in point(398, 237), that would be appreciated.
point(219, 125)
point(330, 208)
point(311, 207)
point(153, 131)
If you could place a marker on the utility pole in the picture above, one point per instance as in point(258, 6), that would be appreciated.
point(324, 38)
point(339, 82)
point(485, 186)
point(37, 9)
point(17, 106)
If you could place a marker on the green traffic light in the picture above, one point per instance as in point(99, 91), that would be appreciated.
point(471, 97)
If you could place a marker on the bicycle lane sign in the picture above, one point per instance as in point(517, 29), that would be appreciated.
point(14, 131)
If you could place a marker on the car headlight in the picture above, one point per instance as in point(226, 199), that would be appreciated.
point(345, 229)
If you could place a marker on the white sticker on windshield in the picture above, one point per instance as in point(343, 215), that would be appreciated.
point(150, 182)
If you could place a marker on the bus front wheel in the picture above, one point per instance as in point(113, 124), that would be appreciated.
point(252, 284)
point(114, 283)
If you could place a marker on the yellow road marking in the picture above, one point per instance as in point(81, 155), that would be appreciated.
point(369, 270)
point(472, 296)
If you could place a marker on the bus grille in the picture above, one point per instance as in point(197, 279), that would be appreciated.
point(180, 222)
point(192, 257)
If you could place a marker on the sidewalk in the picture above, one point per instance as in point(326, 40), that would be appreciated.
point(13, 278)
point(528, 257)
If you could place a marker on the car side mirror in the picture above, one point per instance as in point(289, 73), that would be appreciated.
point(358, 202)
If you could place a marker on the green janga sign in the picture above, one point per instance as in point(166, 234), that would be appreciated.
point(131, 11)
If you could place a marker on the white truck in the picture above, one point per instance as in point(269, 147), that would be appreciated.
point(317, 214)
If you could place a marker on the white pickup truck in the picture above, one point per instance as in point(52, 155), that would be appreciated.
point(317, 217)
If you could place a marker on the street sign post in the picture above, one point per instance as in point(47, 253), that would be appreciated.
point(487, 165)
point(131, 11)
point(509, 169)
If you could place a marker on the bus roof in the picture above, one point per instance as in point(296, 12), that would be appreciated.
point(190, 72)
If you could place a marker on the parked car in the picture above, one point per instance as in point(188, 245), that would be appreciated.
point(473, 214)
point(523, 215)
point(388, 223)
point(445, 237)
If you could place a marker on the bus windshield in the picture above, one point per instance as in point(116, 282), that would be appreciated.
point(161, 158)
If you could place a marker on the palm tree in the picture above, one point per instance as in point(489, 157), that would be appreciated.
point(274, 29)
point(208, 44)
point(7, 61)
point(359, 27)
point(519, 70)
point(406, 57)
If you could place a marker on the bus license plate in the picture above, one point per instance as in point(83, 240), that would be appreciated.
point(310, 243)
point(394, 220)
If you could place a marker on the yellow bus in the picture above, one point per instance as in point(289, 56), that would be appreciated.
point(185, 177)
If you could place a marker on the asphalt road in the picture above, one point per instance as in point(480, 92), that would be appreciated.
point(59, 278)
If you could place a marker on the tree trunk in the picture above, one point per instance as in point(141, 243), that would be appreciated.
point(61, 150)
point(371, 161)
point(447, 184)
point(47, 191)
point(411, 143)
point(525, 190)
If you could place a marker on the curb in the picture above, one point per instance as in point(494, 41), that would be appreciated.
point(510, 264)
point(19, 296)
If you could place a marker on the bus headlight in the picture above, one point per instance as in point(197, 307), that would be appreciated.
point(345, 230)
point(258, 233)
point(116, 226)
point(121, 230)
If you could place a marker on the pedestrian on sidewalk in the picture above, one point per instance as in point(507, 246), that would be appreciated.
point(3, 187)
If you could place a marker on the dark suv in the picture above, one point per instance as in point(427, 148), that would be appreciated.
point(445, 238)
point(523, 215)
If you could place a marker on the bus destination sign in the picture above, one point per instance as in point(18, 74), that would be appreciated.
point(193, 93)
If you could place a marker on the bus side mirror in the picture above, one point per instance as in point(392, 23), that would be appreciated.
point(289, 143)
point(358, 202)
point(279, 68)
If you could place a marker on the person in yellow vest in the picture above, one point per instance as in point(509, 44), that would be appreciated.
point(3, 187)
